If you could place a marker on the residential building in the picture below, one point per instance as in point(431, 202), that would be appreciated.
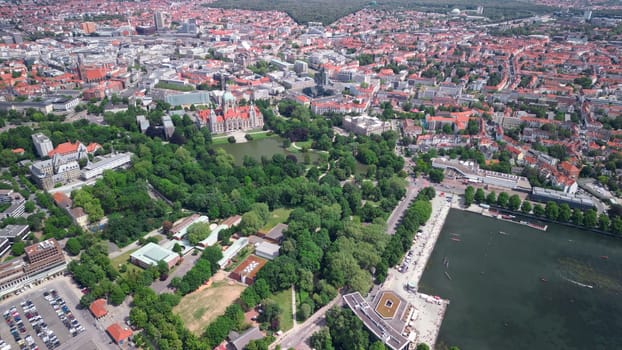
point(240, 341)
point(98, 308)
point(119, 333)
point(275, 235)
point(14, 232)
point(169, 127)
point(365, 125)
point(248, 269)
point(232, 251)
point(151, 254)
point(545, 195)
point(17, 204)
point(5, 245)
point(267, 250)
point(471, 171)
point(181, 228)
point(158, 20)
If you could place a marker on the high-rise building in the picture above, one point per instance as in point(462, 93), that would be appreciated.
point(587, 15)
point(158, 18)
point(42, 144)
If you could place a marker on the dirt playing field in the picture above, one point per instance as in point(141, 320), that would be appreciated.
point(202, 306)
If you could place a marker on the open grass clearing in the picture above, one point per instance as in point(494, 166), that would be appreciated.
point(198, 309)
point(284, 299)
point(277, 216)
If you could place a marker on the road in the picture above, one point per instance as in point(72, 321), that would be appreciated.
point(411, 191)
point(134, 245)
point(298, 336)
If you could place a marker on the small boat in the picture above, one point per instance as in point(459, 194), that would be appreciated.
point(447, 275)
point(604, 257)
point(503, 233)
point(455, 239)
point(542, 279)
point(455, 234)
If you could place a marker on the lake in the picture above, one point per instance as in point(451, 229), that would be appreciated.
point(514, 287)
point(266, 147)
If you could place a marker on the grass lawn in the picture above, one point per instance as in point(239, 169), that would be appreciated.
point(277, 216)
point(201, 307)
point(221, 140)
point(122, 259)
point(284, 299)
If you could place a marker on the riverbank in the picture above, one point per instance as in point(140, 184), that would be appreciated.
point(431, 309)
point(474, 208)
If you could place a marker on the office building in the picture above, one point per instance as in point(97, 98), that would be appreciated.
point(158, 19)
point(43, 144)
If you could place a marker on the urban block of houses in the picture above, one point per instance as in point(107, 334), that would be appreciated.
point(151, 254)
point(77, 214)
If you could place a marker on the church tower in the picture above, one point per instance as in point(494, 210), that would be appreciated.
point(252, 116)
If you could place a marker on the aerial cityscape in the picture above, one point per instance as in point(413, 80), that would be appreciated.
point(231, 174)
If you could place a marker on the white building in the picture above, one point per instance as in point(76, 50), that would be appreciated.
point(43, 144)
point(232, 251)
point(107, 162)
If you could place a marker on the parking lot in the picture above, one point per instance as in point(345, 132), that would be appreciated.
point(47, 317)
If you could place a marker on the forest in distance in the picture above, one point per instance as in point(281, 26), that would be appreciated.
point(328, 11)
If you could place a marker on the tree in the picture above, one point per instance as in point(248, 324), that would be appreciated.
point(198, 232)
point(18, 248)
point(538, 210)
point(551, 210)
point(502, 199)
point(491, 198)
point(469, 195)
point(437, 175)
point(564, 212)
point(423, 346)
point(116, 295)
point(321, 340)
point(603, 222)
point(589, 218)
point(577, 217)
point(166, 227)
point(29, 207)
point(514, 202)
point(251, 222)
point(480, 196)
point(526, 207)
point(73, 246)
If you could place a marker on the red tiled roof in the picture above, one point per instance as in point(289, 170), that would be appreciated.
point(98, 308)
point(118, 333)
point(64, 148)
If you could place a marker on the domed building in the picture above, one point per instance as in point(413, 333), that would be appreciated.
point(455, 12)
